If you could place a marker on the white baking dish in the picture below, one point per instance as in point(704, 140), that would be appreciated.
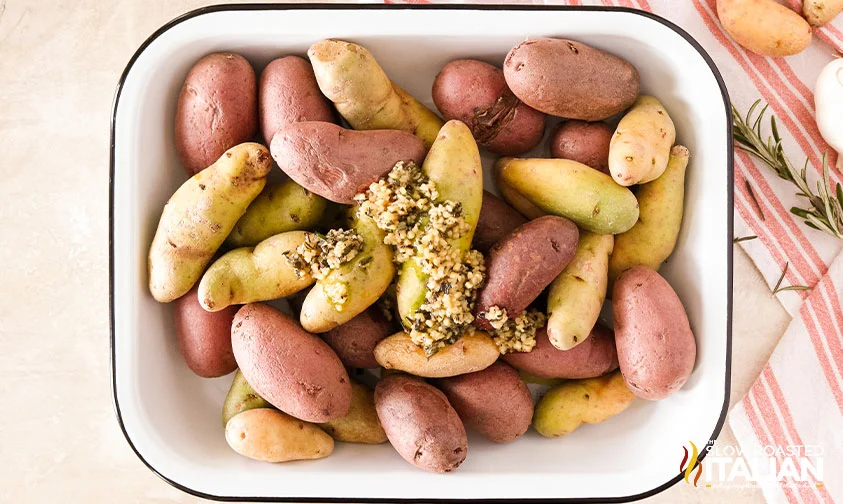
point(172, 418)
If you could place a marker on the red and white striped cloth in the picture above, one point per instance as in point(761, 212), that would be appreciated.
point(798, 399)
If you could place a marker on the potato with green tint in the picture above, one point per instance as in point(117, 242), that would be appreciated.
point(241, 397)
point(575, 402)
point(569, 189)
point(453, 164)
point(472, 352)
point(360, 424)
point(250, 274)
point(576, 296)
point(361, 281)
point(199, 216)
point(270, 435)
point(653, 238)
point(640, 148)
point(363, 94)
point(518, 202)
point(277, 209)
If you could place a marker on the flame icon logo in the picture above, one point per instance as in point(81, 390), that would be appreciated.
point(688, 463)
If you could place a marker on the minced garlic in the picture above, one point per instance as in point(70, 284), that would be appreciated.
point(514, 335)
point(404, 206)
point(319, 255)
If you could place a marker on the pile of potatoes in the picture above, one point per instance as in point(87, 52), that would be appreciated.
point(599, 215)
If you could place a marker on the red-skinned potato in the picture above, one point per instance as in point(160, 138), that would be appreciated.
point(204, 337)
point(288, 93)
point(497, 219)
point(569, 79)
point(593, 357)
point(216, 110)
point(294, 370)
point(337, 163)
point(523, 263)
point(476, 93)
point(355, 341)
point(495, 401)
point(420, 423)
point(656, 347)
point(583, 142)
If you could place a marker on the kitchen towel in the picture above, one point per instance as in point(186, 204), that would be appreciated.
point(798, 399)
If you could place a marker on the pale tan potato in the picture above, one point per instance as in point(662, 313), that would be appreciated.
point(420, 423)
point(288, 93)
point(204, 338)
point(472, 352)
point(495, 401)
point(764, 27)
point(360, 424)
point(295, 371)
point(216, 109)
point(821, 12)
point(656, 347)
point(273, 436)
point(640, 148)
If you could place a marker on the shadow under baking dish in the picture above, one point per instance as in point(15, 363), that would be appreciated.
point(171, 418)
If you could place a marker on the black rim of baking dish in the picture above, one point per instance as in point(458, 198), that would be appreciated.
point(249, 7)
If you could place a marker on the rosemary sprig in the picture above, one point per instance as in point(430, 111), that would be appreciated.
point(826, 211)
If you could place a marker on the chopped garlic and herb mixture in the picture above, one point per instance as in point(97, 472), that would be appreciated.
point(403, 205)
point(515, 334)
point(319, 255)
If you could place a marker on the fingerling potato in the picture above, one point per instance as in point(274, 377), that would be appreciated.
point(216, 109)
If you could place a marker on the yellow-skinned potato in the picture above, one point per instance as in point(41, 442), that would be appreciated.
point(250, 274)
point(472, 352)
point(570, 189)
point(821, 12)
point(277, 209)
point(363, 94)
point(453, 164)
point(518, 202)
point(640, 147)
point(576, 296)
point(363, 279)
point(574, 402)
point(764, 27)
point(361, 423)
point(199, 216)
point(241, 397)
point(652, 239)
point(270, 435)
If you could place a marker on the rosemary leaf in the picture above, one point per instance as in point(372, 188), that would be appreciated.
point(744, 238)
point(781, 277)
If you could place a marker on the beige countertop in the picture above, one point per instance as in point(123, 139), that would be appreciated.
point(59, 439)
